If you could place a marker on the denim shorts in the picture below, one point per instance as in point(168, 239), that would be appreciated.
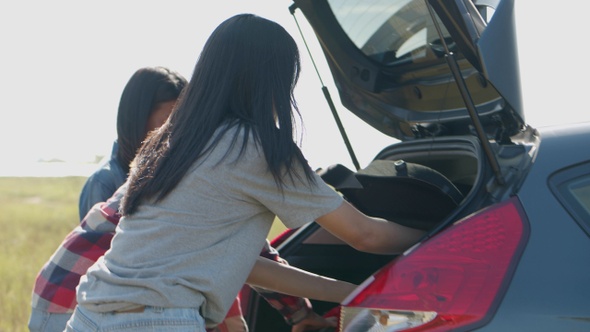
point(151, 319)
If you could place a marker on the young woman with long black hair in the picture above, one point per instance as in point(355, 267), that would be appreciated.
point(205, 188)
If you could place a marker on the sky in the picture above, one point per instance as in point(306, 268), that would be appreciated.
point(65, 63)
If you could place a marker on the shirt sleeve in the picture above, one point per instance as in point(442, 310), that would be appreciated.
point(296, 203)
point(100, 186)
point(94, 191)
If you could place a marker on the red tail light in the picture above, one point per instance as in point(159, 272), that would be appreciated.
point(454, 280)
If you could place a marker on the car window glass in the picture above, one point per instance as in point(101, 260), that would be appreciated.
point(572, 188)
point(392, 32)
point(580, 189)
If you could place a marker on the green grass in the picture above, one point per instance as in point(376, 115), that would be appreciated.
point(35, 215)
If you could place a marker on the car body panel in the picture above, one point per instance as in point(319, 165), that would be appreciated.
point(550, 290)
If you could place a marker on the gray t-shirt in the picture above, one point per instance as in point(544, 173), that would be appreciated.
point(196, 247)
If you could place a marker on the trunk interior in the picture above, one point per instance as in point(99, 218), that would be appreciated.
point(457, 160)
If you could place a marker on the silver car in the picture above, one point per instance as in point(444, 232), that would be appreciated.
point(506, 205)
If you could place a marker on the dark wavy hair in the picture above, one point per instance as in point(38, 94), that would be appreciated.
point(145, 90)
point(245, 77)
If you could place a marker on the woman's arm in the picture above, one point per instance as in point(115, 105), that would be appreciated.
point(290, 280)
point(368, 234)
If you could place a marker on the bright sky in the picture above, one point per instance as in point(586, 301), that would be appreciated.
point(65, 63)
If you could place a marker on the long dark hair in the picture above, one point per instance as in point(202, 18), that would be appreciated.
point(245, 76)
point(146, 89)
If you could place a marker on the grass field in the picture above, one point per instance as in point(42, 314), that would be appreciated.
point(35, 215)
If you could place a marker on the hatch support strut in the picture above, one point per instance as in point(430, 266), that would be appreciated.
point(327, 96)
point(454, 67)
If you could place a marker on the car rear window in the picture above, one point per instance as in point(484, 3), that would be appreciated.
point(390, 32)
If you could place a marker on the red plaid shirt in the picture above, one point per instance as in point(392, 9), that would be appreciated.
point(55, 285)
